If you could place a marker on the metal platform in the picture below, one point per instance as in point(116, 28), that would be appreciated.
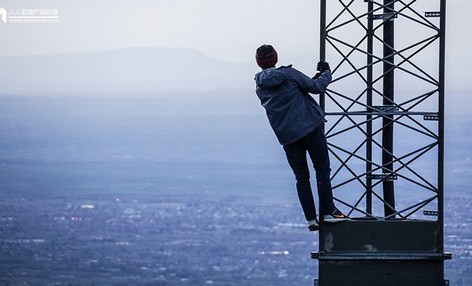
point(373, 252)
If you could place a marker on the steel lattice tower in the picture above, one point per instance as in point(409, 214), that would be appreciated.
point(385, 111)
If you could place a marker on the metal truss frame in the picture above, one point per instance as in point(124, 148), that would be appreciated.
point(385, 106)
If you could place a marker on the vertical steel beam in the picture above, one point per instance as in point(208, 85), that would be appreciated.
point(322, 43)
point(441, 109)
point(388, 99)
point(370, 51)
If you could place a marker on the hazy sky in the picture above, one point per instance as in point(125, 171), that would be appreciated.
point(226, 29)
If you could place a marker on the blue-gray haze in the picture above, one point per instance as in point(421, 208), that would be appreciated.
point(174, 189)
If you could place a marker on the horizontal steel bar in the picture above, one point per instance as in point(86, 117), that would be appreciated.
point(437, 256)
point(380, 113)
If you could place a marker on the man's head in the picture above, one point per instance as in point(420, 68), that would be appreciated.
point(266, 56)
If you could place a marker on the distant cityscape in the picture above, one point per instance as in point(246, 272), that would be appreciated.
point(169, 190)
point(174, 240)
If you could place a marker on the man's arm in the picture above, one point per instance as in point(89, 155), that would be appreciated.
point(311, 85)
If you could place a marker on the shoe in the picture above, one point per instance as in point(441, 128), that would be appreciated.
point(336, 216)
point(313, 225)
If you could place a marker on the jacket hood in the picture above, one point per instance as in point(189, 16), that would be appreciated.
point(270, 78)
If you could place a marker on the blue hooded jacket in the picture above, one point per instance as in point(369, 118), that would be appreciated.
point(284, 93)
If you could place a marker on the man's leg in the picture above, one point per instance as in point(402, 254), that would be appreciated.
point(318, 149)
point(296, 156)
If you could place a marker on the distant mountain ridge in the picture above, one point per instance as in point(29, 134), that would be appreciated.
point(121, 71)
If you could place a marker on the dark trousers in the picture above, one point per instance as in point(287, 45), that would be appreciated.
point(315, 144)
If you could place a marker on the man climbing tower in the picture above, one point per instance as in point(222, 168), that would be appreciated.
point(297, 121)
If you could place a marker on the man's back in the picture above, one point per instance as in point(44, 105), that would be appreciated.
point(291, 111)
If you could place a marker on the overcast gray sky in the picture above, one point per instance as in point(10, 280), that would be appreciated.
point(226, 29)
